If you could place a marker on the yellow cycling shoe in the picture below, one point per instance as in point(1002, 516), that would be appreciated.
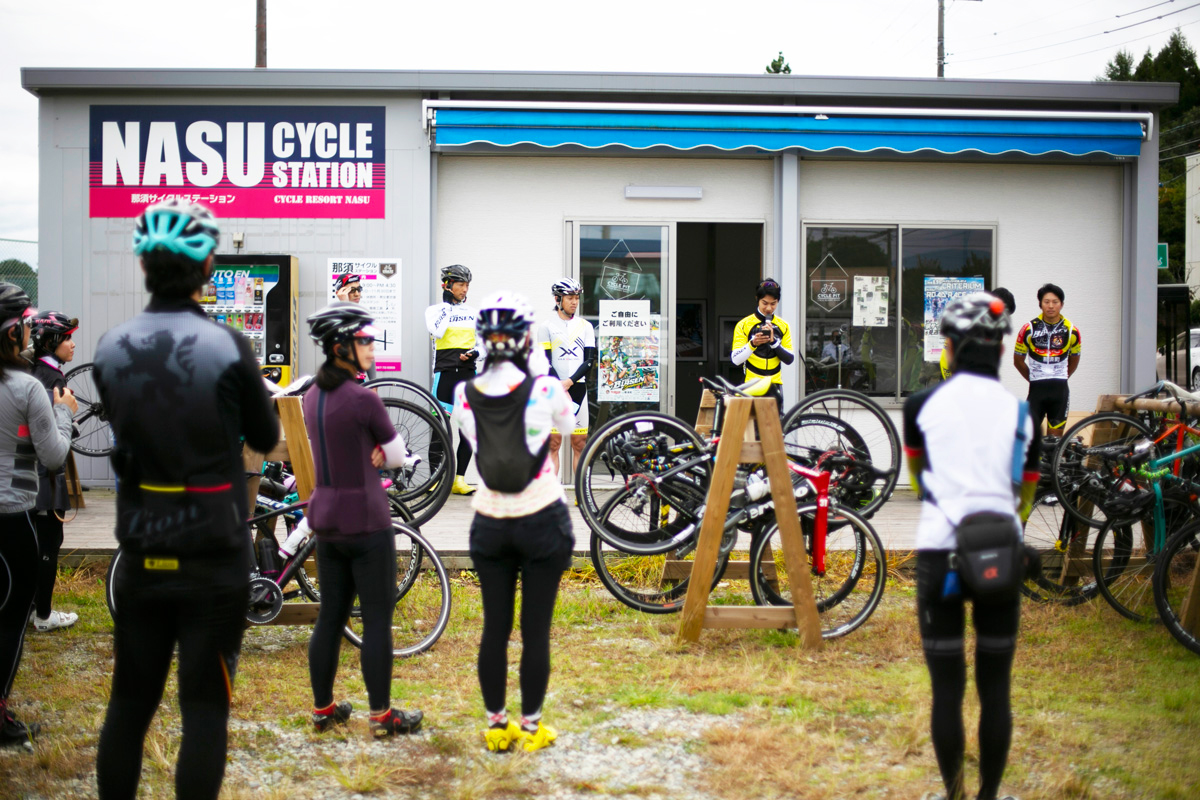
point(499, 740)
point(461, 486)
point(543, 737)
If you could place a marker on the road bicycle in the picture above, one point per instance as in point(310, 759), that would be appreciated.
point(94, 437)
point(423, 596)
point(1175, 574)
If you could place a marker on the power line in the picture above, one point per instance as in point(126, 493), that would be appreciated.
point(1077, 39)
point(1085, 52)
point(1177, 127)
point(1177, 146)
point(1072, 28)
point(1037, 21)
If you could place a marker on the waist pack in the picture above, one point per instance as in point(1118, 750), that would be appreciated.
point(989, 557)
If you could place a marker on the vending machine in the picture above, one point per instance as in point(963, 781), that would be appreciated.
point(258, 295)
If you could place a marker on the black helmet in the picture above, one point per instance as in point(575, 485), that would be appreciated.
point(976, 317)
point(455, 273)
point(173, 226)
point(340, 321)
point(14, 304)
point(506, 315)
point(49, 329)
point(345, 279)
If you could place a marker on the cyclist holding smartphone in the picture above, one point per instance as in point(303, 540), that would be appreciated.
point(31, 431)
point(521, 526)
point(352, 439)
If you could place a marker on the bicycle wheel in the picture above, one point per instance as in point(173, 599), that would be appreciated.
point(645, 443)
point(408, 565)
point(1124, 557)
point(95, 431)
point(423, 611)
point(1174, 576)
point(409, 392)
point(423, 491)
point(873, 426)
point(110, 597)
point(815, 439)
point(655, 584)
point(1086, 470)
point(1065, 545)
point(848, 591)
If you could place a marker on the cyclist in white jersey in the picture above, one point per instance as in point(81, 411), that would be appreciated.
point(570, 346)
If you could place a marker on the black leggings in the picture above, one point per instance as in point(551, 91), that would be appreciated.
point(201, 606)
point(50, 539)
point(942, 624)
point(537, 548)
point(443, 389)
point(364, 566)
point(18, 567)
point(1049, 400)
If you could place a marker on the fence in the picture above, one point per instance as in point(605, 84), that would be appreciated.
point(19, 264)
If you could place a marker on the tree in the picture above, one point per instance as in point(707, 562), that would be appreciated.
point(1178, 127)
point(779, 66)
point(14, 270)
point(1120, 68)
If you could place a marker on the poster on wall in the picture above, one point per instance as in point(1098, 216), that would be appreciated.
point(250, 161)
point(939, 292)
point(381, 296)
point(870, 301)
point(629, 352)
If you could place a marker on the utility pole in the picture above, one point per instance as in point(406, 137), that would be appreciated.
point(260, 37)
point(942, 37)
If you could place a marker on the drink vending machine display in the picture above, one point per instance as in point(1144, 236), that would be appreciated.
point(257, 295)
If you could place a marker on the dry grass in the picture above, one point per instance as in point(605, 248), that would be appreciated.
point(1102, 709)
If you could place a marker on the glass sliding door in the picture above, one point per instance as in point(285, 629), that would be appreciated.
point(624, 270)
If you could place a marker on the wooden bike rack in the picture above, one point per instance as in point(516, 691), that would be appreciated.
point(293, 447)
point(739, 444)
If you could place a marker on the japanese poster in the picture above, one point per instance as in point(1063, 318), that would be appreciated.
point(629, 352)
point(381, 296)
point(939, 292)
point(870, 301)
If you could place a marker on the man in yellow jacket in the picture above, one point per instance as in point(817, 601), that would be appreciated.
point(762, 342)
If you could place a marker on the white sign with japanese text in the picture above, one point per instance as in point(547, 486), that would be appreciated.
point(381, 296)
point(629, 352)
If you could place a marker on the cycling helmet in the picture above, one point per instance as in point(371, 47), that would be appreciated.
point(767, 286)
point(503, 323)
point(340, 321)
point(455, 273)
point(344, 280)
point(566, 286)
point(976, 317)
point(14, 305)
point(175, 227)
point(49, 329)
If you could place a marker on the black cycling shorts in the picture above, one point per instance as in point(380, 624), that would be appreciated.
point(1049, 400)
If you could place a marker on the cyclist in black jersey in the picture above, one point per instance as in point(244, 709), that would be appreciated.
point(53, 348)
point(181, 394)
point(964, 468)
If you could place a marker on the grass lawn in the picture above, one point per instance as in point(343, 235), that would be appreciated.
point(1103, 708)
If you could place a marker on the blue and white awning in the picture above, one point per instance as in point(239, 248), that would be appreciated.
point(901, 131)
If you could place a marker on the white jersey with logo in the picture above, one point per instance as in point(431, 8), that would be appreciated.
point(566, 338)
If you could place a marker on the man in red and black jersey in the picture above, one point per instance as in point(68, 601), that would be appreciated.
point(1047, 354)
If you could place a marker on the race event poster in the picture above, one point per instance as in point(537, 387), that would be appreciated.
point(252, 161)
point(939, 292)
point(629, 352)
point(381, 296)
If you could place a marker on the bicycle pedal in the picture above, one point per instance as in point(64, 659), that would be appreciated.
point(291, 595)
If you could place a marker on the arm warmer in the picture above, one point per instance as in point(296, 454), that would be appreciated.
point(783, 354)
point(740, 355)
point(585, 369)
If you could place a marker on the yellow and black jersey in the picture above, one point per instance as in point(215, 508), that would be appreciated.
point(766, 360)
point(452, 327)
point(1048, 348)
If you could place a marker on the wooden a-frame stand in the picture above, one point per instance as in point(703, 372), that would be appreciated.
point(293, 447)
point(739, 445)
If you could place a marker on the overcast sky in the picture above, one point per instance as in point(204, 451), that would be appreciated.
point(997, 39)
